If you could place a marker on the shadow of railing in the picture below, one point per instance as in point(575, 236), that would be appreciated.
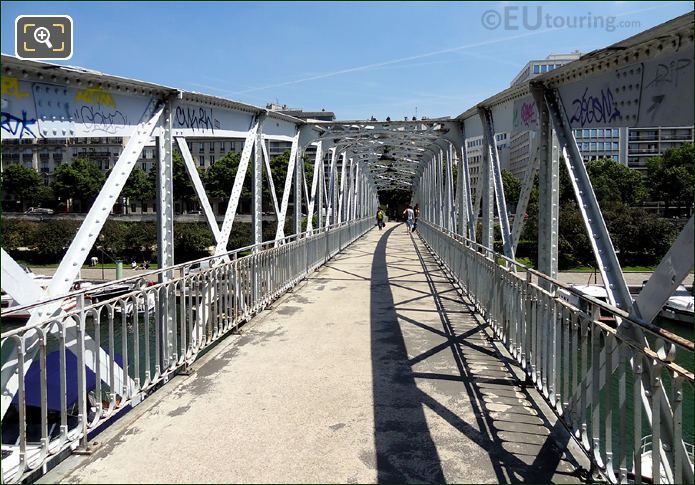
point(494, 412)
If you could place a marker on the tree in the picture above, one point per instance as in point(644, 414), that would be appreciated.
point(278, 167)
point(512, 188)
point(183, 187)
point(139, 185)
point(53, 238)
point(23, 184)
point(80, 180)
point(671, 178)
point(614, 182)
point(219, 180)
point(191, 241)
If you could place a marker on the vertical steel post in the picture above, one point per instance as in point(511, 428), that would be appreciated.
point(257, 208)
point(450, 207)
point(298, 181)
point(341, 194)
point(332, 193)
point(257, 188)
point(548, 185)
point(165, 235)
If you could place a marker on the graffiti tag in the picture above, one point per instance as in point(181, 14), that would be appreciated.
point(16, 126)
point(594, 108)
point(668, 74)
point(528, 114)
point(96, 119)
point(196, 119)
point(10, 87)
point(95, 95)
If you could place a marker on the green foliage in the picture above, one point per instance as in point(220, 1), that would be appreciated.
point(191, 241)
point(512, 188)
point(219, 180)
point(52, 238)
point(139, 186)
point(17, 233)
point(44, 197)
point(574, 247)
point(640, 237)
point(278, 167)
point(183, 187)
point(672, 176)
point(614, 182)
point(22, 183)
point(80, 180)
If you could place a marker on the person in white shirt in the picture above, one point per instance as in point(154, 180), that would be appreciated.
point(409, 217)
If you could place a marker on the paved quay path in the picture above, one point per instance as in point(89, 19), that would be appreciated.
point(374, 370)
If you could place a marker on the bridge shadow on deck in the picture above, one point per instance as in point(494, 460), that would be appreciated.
point(446, 405)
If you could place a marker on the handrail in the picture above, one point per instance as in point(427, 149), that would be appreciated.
point(603, 305)
point(606, 389)
point(230, 254)
point(136, 341)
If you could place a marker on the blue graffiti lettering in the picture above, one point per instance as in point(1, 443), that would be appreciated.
point(595, 109)
point(18, 126)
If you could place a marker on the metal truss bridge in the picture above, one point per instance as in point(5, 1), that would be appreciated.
point(369, 355)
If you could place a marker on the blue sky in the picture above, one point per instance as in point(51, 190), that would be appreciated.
point(357, 59)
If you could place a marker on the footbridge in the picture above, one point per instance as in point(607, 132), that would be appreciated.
point(336, 351)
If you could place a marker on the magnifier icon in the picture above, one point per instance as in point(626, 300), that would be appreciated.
point(43, 36)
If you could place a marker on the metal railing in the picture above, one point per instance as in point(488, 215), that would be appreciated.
point(569, 346)
point(76, 371)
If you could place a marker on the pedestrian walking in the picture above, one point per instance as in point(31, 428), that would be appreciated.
point(380, 218)
point(409, 214)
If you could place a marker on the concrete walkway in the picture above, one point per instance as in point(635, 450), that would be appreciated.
point(374, 370)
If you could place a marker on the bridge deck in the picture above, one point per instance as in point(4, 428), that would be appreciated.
point(374, 370)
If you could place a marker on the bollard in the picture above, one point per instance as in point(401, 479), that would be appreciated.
point(119, 269)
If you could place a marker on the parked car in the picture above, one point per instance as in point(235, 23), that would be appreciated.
point(197, 267)
point(39, 210)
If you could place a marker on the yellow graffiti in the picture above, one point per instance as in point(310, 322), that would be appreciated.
point(10, 87)
point(95, 95)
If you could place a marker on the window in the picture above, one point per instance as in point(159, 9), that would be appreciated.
point(616, 132)
point(144, 206)
point(212, 159)
point(201, 148)
point(211, 148)
point(57, 158)
point(544, 68)
point(593, 145)
point(615, 145)
point(585, 133)
point(536, 69)
point(600, 132)
point(593, 132)
point(202, 160)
